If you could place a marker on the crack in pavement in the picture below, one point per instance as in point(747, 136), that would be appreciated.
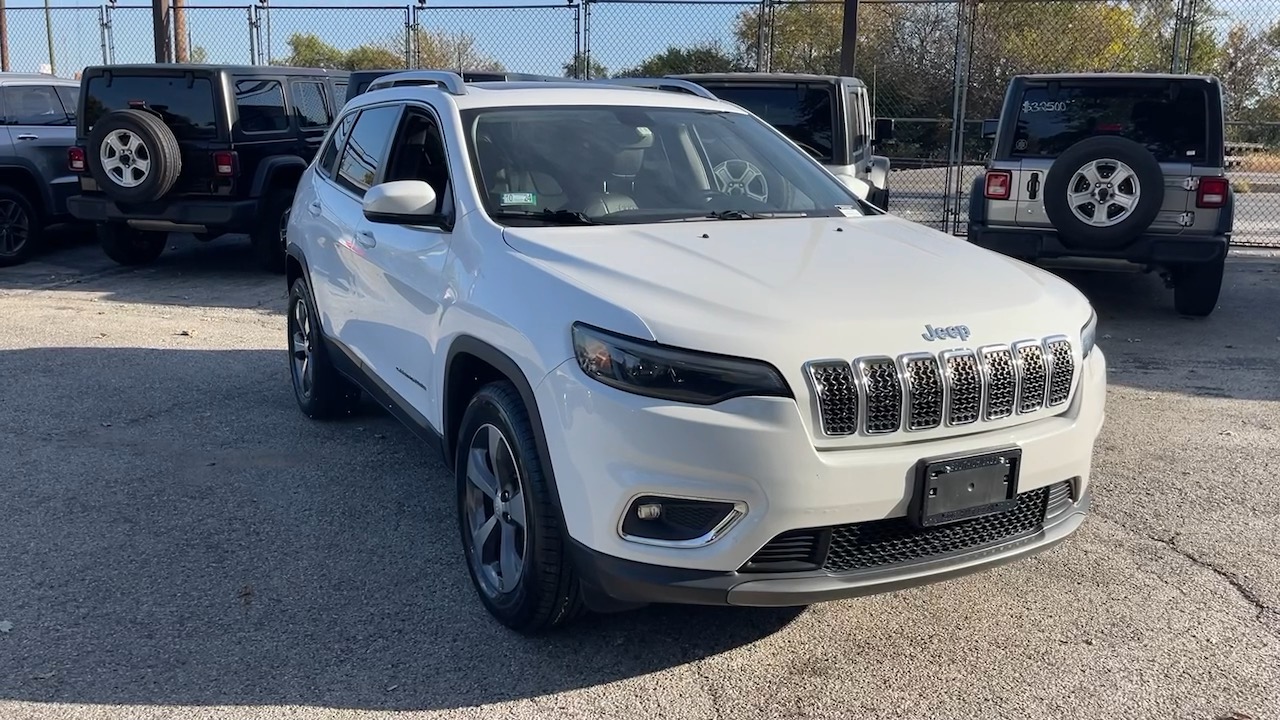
point(1264, 611)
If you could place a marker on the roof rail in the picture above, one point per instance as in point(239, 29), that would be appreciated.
point(450, 81)
point(663, 83)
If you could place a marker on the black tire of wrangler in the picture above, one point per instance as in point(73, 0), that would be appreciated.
point(1077, 234)
point(26, 212)
point(131, 247)
point(548, 594)
point(166, 156)
point(332, 395)
point(1196, 288)
point(268, 246)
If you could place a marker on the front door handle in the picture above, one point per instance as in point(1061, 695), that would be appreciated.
point(366, 239)
point(314, 208)
point(28, 136)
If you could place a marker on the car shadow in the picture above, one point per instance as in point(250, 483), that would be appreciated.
point(177, 533)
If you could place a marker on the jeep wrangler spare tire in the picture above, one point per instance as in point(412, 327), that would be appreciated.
point(1103, 192)
point(133, 156)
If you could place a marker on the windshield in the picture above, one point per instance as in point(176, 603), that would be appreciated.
point(801, 111)
point(1172, 125)
point(627, 164)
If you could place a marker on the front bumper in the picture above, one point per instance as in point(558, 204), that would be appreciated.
point(1035, 244)
point(613, 583)
point(180, 215)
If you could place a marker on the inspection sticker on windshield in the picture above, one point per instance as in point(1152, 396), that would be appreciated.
point(847, 210)
point(519, 199)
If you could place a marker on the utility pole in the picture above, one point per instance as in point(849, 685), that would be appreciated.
point(849, 37)
point(181, 49)
point(160, 27)
point(48, 32)
point(4, 38)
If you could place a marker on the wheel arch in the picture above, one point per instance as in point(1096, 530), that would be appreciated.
point(273, 170)
point(21, 175)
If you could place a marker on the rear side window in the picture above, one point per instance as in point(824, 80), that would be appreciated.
point(308, 105)
point(188, 110)
point(366, 147)
point(260, 105)
point(802, 112)
point(339, 94)
point(1173, 125)
point(330, 153)
point(70, 97)
point(35, 105)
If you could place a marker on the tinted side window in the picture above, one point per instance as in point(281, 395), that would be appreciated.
point(366, 147)
point(308, 105)
point(330, 153)
point(339, 95)
point(1173, 127)
point(188, 111)
point(34, 105)
point(70, 97)
point(801, 112)
point(260, 105)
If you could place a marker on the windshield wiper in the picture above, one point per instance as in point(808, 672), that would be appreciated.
point(744, 215)
point(566, 217)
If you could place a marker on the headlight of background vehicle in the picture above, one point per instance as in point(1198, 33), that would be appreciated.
point(1089, 334)
point(647, 368)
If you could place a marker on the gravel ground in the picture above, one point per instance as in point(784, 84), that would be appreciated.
point(178, 541)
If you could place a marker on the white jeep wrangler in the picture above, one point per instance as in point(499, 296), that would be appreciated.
point(653, 385)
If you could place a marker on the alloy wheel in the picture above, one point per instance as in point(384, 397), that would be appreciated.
point(494, 509)
point(125, 158)
point(301, 337)
point(1103, 192)
point(15, 227)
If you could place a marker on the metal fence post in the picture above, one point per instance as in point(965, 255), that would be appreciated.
point(578, 63)
point(966, 18)
point(586, 39)
point(255, 37)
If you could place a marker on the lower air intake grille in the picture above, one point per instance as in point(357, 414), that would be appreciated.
point(882, 543)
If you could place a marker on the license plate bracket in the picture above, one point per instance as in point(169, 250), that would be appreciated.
point(951, 489)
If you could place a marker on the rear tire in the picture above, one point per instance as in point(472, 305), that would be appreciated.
point(267, 236)
point(322, 391)
point(21, 228)
point(128, 246)
point(1196, 288)
point(536, 589)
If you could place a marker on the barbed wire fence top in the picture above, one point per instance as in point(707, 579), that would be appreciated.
point(930, 64)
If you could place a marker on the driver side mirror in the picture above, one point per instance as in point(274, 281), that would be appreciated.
point(884, 130)
point(989, 128)
point(401, 202)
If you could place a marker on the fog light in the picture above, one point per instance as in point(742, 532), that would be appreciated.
point(678, 521)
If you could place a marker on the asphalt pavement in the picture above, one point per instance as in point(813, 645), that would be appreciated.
point(179, 542)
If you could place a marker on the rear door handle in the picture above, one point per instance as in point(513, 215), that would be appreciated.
point(28, 136)
point(314, 208)
point(366, 239)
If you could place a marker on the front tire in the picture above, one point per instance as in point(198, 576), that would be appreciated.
point(131, 247)
point(321, 390)
point(511, 536)
point(21, 229)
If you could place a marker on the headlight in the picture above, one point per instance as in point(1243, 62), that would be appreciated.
point(1089, 334)
point(647, 368)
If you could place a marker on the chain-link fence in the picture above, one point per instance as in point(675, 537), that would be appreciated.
point(938, 67)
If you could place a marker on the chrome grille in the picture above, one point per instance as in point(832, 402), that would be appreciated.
point(922, 391)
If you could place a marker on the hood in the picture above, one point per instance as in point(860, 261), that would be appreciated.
point(806, 288)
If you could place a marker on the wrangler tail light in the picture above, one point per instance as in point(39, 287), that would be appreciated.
point(1212, 192)
point(998, 183)
point(75, 159)
point(224, 163)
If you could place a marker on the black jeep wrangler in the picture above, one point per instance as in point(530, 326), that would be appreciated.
point(204, 149)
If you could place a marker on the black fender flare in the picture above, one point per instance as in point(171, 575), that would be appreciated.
point(44, 199)
point(508, 368)
point(978, 200)
point(268, 169)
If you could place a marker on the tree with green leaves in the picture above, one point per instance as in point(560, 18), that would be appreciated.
point(577, 64)
point(708, 57)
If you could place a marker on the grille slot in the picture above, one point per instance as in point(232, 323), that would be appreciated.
point(1033, 374)
point(878, 395)
point(884, 395)
point(924, 381)
point(1061, 370)
point(837, 393)
point(895, 541)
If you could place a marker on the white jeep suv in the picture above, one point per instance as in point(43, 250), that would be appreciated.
point(671, 358)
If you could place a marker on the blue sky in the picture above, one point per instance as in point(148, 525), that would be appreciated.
point(528, 39)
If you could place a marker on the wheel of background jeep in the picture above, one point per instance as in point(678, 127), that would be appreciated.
point(321, 390)
point(511, 537)
point(1196, 287)
point(267, 236)
point(21, 229)
point(128, 246)
point(133, 156)
point(1103, 192)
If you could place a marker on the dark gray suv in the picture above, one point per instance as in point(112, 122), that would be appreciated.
point(39, 114)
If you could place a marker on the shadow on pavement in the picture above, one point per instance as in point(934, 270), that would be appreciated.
point(176, 532)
